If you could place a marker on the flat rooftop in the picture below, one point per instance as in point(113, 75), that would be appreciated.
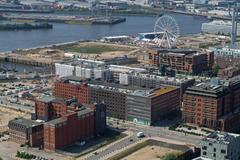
point(214, 87)
point(154, 92)
point(221, 137)
point(28, 123)
point(82, 111)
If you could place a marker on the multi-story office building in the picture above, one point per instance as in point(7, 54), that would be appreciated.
point(155, 80)
point(26, 131)
point(186, 61)
point(215, 105)
point(221, 146)
point(147, 107)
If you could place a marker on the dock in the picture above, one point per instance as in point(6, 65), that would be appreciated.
point(24, 60)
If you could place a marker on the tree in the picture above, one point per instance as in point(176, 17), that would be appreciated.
point(216, 70)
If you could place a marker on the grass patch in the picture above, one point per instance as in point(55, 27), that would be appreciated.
point(92, 48)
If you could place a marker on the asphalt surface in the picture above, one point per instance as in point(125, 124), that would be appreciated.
point(149, 131)
point(115, 147)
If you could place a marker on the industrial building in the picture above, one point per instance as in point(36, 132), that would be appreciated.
point(69, 128)
point(183, 61)
point(79, 122)
point(220, 146)
point(214, 104)
point(26, 131)
point(68, 89)
point(147, 107)
point(62, 123)
point(115, 96)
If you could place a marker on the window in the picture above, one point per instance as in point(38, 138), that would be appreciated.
point(223, 151)
point(210, 144)
point(204, 147)
point(204, 153)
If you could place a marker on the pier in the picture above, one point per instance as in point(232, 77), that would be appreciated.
point(23, 60)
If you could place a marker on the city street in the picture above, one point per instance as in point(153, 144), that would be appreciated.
point(157, 132)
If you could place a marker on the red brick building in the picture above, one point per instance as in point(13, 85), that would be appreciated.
point(68, 89)
point(181, 60)
point(49, 108)
point(213, 106)
point(68, 121)
point(62, 123)
point(66, 130)
point(26, 131)
point(229, 72)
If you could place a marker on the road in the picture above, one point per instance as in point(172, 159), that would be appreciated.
point(115, 147)
point(160, 132)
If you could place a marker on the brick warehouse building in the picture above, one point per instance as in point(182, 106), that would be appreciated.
point(212, 105)
point(63, 122)
point(26, 131)
point(187, 61)
point(65, 88)
point(69, 128)
point(115, 97)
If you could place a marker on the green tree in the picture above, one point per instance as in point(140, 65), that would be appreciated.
point(216, 70)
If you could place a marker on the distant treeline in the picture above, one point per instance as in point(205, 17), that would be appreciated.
point(25, 26)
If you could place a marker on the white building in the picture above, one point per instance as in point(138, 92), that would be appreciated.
point(221, 146)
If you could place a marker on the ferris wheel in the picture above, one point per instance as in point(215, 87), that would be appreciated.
point(166, 31)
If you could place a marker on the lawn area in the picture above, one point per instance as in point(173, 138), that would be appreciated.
point(93, 48)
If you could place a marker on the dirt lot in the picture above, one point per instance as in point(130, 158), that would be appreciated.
point(6, 115)
point(150, 153)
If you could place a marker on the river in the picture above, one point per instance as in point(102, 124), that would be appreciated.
point(11, 40)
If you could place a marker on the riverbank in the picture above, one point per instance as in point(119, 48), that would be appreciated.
point(140, 10)
point(25, 26)
point(111, 20)
point(76, 32)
